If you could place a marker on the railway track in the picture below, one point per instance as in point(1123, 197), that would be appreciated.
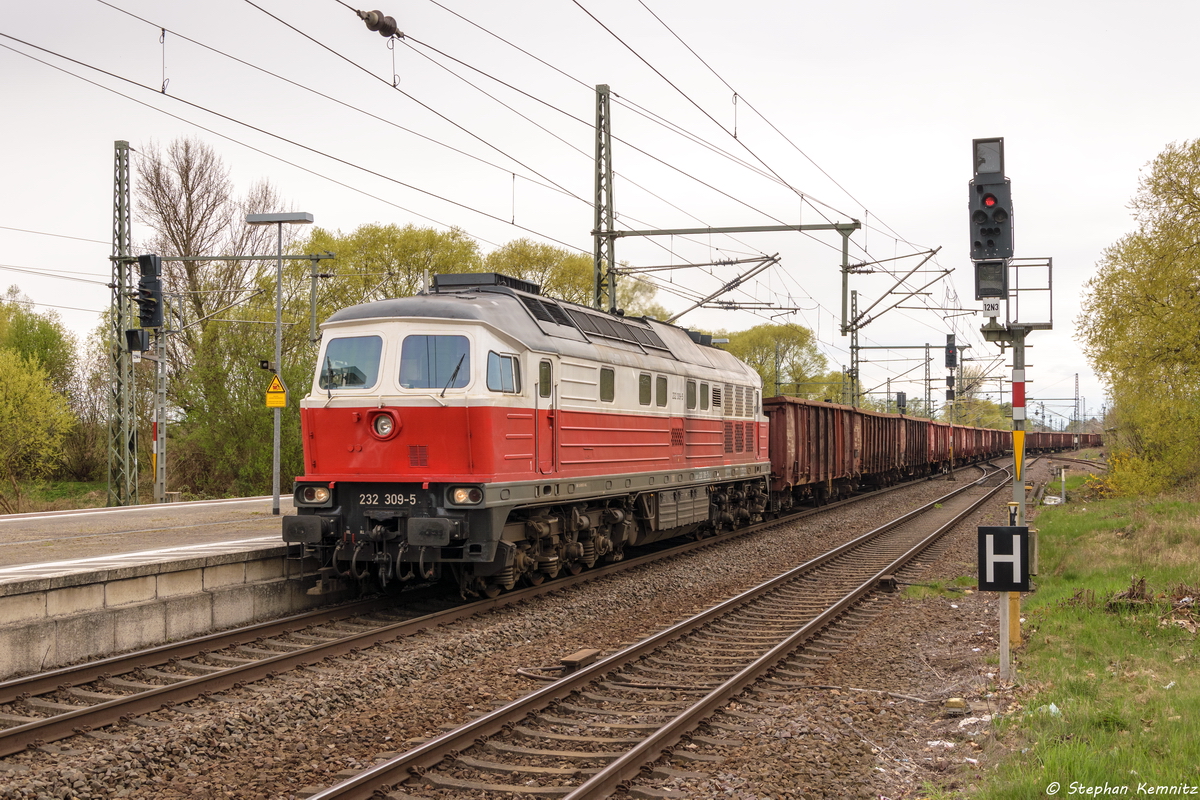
point(1100, 464)
point(53, 706)
point(593, 731)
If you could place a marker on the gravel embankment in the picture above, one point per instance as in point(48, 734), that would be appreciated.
point(270, 739)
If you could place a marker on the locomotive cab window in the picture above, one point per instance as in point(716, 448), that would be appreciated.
point(435, 362)
point(608, 385)
point(691, 395)
point(644, 389)
point(545, 379)
point(351, 362)
point(504, 373)
point(703, 396)
point(660, 391)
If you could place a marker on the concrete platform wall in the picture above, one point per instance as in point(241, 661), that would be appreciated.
point(54, 621)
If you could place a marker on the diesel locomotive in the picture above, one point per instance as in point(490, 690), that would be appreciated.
point(486, 430)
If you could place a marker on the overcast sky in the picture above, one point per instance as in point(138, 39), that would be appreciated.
point(841, 111)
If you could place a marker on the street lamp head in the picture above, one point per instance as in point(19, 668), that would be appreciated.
point(290, 217)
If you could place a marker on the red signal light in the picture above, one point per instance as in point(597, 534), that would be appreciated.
point(989, 200)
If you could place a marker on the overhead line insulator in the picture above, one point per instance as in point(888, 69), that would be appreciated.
point(376, 21)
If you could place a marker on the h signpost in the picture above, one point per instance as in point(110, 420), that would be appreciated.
point(1004, 564)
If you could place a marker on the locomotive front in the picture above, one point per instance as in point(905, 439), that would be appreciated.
point(394, 474)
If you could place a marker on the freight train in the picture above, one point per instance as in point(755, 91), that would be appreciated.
point(485, 432)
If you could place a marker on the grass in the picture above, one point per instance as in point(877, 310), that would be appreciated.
point(58, 495)
point(1111, 647)
point(959, 585)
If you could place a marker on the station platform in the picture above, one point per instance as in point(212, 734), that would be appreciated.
point(68, 535)
point(105, 582)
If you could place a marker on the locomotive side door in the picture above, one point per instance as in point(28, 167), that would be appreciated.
point(547, 427)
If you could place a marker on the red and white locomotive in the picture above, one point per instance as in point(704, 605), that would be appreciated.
point(487, 430)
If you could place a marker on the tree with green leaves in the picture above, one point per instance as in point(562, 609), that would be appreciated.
point(785, 356)
point(40, 336)
point(376, 261)
point(1140, 326)
point(561, 273)
point(35, 420)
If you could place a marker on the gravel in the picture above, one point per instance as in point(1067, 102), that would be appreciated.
point(302, 729)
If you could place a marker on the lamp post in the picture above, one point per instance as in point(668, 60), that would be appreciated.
point(290, 218)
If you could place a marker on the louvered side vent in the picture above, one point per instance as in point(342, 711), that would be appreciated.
point(612, 328)
point(716, 396)
point(730, 400)
point(655, 340)
point(739, 406)
point(641, 335)
point(586, 322)
point(728, 437)
point(559, 315)
point(739, 437)
point(750, 437)
point(538, 309)
point(418, 455)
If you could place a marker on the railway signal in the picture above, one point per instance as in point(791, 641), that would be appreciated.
point(149, 293)
point(990, 203)
point(951, 352)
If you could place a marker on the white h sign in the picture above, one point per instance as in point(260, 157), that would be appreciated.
point(992, 557)
point(1017, 557)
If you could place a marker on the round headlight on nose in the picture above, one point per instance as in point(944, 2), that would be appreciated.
point(384, 425)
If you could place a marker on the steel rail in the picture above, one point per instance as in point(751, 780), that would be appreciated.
point(381, 778)
point(43, 682)
point(19, 737)
point(628, 766)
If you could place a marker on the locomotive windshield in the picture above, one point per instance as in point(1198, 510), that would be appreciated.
point(435, 362)
point(351, 362)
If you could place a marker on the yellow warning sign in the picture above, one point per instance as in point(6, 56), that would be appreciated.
point(276, 393)
point(1018, 451)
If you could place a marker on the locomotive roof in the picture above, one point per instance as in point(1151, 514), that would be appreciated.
point(547, 325)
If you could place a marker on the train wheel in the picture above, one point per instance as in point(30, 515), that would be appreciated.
point(536, 578)
point(492, 591)
point(575, 567)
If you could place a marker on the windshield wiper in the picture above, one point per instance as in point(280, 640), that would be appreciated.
point(327, 378)
point(453, 375)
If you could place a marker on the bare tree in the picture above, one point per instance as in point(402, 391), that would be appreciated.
point(186, 197)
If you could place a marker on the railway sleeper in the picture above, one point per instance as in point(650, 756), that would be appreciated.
point(612, 712)
point(530, 733)
point(576, 755)
point(440, 781)
point(508, 769)
point(580, 723)
point(600, 698)
point(714, 741)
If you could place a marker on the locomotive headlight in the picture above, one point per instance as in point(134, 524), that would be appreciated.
point(466, 495)
point(313, 495)
point(384, 425)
